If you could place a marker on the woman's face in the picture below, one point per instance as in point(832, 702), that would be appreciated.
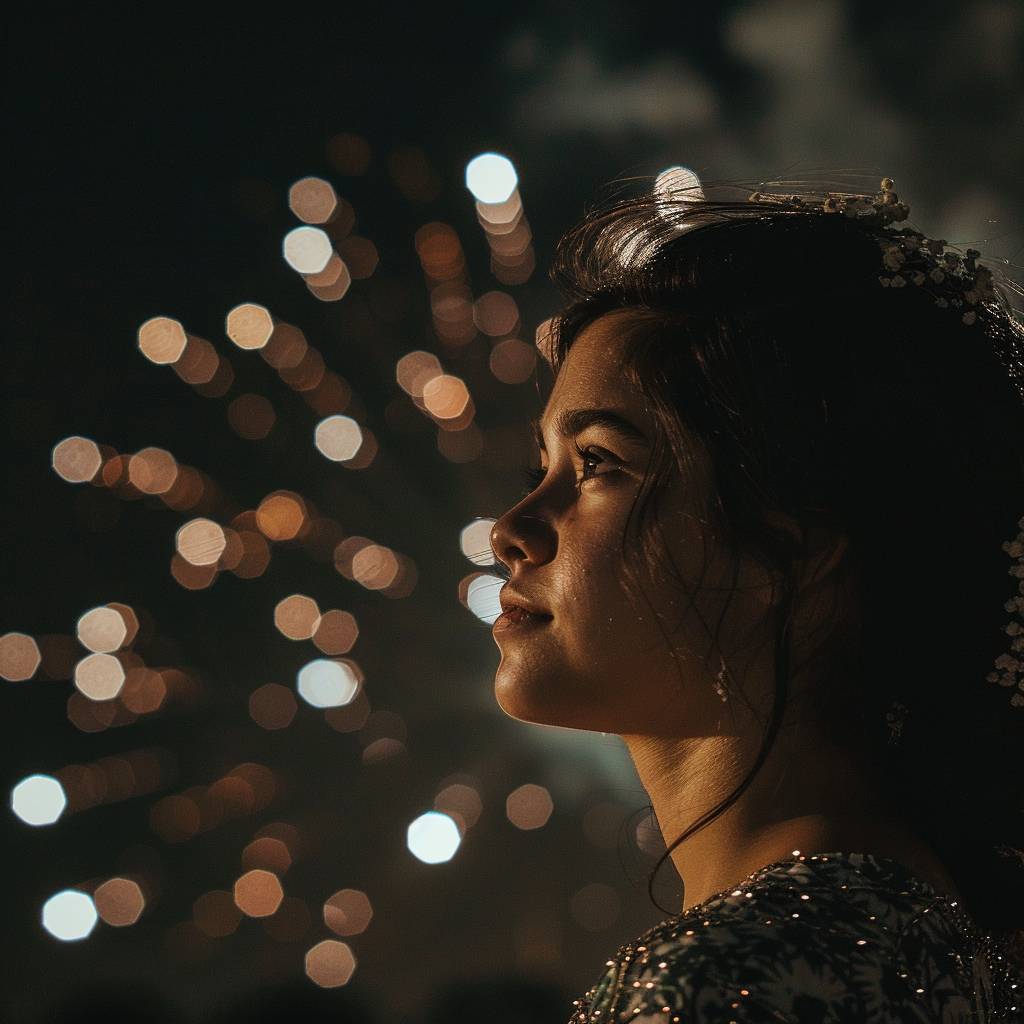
point(601, 663)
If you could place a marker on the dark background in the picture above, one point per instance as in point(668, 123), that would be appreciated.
point(150, 158)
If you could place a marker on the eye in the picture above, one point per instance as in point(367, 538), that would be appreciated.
point(534, 476)
point(588, 455)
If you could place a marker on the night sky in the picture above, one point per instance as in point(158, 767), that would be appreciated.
point(152, 159)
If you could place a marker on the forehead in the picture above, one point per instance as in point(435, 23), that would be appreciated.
point(593, 372)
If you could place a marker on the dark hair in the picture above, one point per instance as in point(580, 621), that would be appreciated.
point(764, 333)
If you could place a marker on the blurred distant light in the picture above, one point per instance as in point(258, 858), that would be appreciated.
point(415, 369)
point(440, 251)
point(482, 597)
point(446, 396)
point(491, 177)
point(281, 515)
point(102, 630)
point(162, 340)
point(119, 901)
point(200, 541)
point(529, 806)
point(463, 445)
point(258, 893)
point(69, 915)
point(338, 437)
point(336, 632)
point(500, 217)
point(99, 676)
point(215, 913)
point(595, 906)
point(272, 706)
point(307, 249)
point(330, 963)
point(348, 912)
point(297, 617)
point(193, 577)
point(512, 361)
point(19, 657)
point(249, 325)
point(251, 416)
point(38, 800)
point(433, 838)
point(679, 180)
point(268, 853)
point(313, 200)
point(496, 313)
point(153, 470)
point(375, 567)
point(327, 684)
point(475, 541)
point(461, 802)
point(76, 459)
point(359, 256)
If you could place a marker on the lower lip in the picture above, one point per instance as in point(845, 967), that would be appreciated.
point(516, 618)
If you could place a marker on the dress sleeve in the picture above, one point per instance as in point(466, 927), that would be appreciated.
point(699, 997)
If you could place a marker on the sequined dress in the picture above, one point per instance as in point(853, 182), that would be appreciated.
point(829, 938)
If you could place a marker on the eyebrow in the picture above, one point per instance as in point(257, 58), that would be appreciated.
point(571, 422)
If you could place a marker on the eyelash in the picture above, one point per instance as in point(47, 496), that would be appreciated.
point(534, 476)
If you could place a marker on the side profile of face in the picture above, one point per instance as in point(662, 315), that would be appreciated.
point(601, 663)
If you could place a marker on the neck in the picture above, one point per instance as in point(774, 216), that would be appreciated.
point(811, 801)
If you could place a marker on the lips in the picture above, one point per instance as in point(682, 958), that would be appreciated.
point(512, 601)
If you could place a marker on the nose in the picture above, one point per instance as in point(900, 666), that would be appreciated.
point(522, 536)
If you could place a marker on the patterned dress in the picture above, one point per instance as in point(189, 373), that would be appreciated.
point(829, 938)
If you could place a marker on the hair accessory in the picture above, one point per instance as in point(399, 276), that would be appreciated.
point(1012, 664)
point(719, 683)
point(952, 279)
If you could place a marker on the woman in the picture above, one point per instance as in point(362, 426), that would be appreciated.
point(766, 546)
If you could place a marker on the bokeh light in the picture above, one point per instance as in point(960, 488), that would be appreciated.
point(307, 249)
point(482, 597)
point(336, 632)
point(38, 800)
point(200, 542)
point(258, 893)
point(330, 963)
point(529, 806)
point(595, 907)
point(102, 630)
point(326, 684)
point(215, 913)
point(19, 657)
point(162, 340)
point(433, 838)
point(119, 901)
point(338, 438)
point(281, 515)
point(348, 912)
point(99, 676)
point(297, 617)
point(76, 459)
point(475, 541)
point(491, 177)
point(313, 200)
point(272, 706)
point(69, 915)
point(249, 325)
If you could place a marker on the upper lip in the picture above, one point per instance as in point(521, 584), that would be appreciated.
point(510, 599)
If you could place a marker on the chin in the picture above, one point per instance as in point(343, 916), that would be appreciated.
point(540, 700)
